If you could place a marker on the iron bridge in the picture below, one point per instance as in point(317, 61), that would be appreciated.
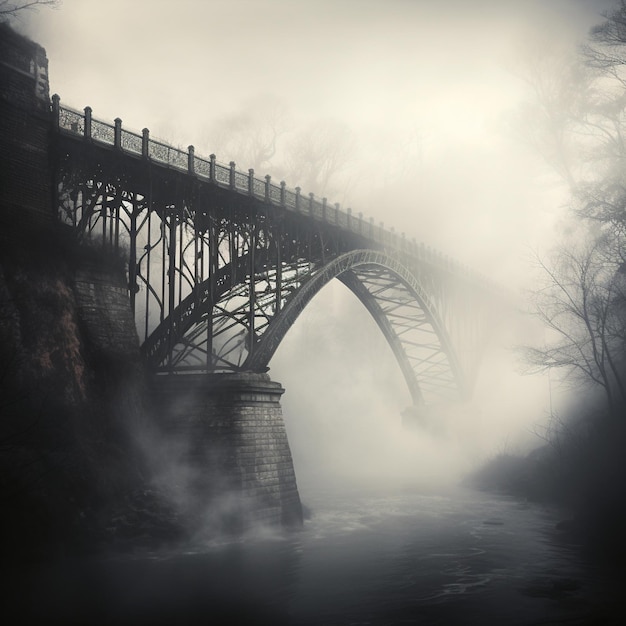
point(221, 262)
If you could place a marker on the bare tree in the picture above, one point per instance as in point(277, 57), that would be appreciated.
point(576, 122)
point(583, 304)
point(261, 136)
point(603, 195)
point(558, 83)
point(574, 118)
point(318, 155)
point(250, 136)
point(10, 9)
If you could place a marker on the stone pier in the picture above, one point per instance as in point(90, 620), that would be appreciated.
point(233, 447)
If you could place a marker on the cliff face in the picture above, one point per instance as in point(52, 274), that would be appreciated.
point(71, 395)
point(71, 382)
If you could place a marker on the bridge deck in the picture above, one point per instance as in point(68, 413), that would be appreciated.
point(79, 124)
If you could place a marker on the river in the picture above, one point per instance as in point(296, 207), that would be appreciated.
point(365, 556)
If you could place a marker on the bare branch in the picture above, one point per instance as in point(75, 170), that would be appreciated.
point(581, 303)
point(10, 9)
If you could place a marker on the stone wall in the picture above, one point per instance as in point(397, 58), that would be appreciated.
point(233, 446)
point(104, 308)
point(71, 388)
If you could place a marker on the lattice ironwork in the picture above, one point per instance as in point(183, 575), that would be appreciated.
point(105, 133)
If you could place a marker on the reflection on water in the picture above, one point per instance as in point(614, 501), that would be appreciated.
point(363, 558)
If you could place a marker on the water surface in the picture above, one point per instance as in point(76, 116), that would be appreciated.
point(366, 556)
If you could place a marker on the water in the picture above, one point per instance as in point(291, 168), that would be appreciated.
point(365, 557)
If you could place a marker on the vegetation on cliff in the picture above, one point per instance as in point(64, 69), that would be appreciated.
point(73, 478)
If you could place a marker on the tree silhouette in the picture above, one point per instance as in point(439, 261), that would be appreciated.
point(582, 303)
point(251, 135)
point(576, 122)
point(10, 9)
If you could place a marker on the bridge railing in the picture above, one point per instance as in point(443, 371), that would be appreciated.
point(82, 124)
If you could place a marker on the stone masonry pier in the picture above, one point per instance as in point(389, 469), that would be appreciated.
point(232, 447)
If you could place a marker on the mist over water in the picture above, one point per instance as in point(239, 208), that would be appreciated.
point(376, 556)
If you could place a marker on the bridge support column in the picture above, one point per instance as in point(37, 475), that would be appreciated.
point(236, 454)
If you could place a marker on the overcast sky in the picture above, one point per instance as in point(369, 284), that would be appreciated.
point(426, 87)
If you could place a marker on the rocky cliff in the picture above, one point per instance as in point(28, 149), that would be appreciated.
point(71, 381)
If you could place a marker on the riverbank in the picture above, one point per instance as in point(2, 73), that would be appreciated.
point(581, 470)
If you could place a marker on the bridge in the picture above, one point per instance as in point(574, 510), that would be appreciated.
point(217, 265)
point(221, 262)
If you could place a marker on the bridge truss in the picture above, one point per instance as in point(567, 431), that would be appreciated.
point(221, 262)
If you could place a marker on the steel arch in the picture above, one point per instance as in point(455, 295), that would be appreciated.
point(371, 275)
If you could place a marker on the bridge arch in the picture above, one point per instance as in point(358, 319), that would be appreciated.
point(400, 306)
point(405, 313)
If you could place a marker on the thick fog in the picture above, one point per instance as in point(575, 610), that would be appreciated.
point(404, 110)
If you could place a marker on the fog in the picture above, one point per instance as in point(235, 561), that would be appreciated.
point(421, 97)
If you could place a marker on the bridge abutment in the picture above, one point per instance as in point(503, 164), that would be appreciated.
point(25, 131)
point(233, 449)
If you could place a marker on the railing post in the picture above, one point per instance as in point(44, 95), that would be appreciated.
point(191, 166)
point(87, 129)
point(212, 168)
point(268, 179)
point(145, 143)
point(117, 136)
point(283, 199)
point(56, 111)
point(251, 181)
point(298, 190)
point(231, 175)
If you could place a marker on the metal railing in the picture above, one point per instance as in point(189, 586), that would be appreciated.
point(73, 122)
